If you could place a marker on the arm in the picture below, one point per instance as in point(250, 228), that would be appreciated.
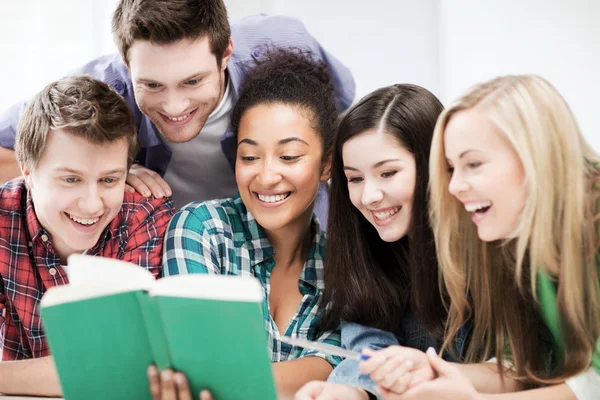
point(35, 377)
point(9, 169)
point(486, 378)
point(356, 337)
point(556, 392)
point(292, 375)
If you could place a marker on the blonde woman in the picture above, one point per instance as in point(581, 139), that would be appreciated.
point(515, 211)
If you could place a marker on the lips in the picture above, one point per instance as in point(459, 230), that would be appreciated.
point(84, 221)
point(178, 120)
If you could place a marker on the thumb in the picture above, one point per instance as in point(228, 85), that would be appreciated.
point(440, 366)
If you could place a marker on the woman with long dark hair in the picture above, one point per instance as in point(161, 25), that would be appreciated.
point(381, 276)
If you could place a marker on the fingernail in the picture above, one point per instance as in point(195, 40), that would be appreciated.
point(146, 193)
point(179, 379)
point(169, 193)
point(152, 370)
point(166, 375)
point(431, 351)
point(159, 194)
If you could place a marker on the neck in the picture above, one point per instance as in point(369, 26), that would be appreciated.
point(292, 242)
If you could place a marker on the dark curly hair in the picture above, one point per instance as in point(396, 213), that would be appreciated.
point(291, 77)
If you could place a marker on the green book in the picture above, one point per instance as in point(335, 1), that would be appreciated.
point(114, 319)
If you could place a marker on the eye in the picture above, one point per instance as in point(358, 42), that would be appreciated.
point(152, 85)
point(289, 158)
point(355, 179)
point(71, 180)
point(249, 158)
point(192, 82)
point(474, 164)
point(108, 180)
point(388, 174)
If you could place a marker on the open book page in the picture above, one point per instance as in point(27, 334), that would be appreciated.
point(214, 287)
point(91, 276)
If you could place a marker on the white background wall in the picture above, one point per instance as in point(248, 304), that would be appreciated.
point(444, 45)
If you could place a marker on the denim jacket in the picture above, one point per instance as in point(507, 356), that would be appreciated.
point(355, 336)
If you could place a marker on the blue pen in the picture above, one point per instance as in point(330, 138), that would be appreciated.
point(325, 348)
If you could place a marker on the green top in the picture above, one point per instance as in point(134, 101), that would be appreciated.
point(546, 292)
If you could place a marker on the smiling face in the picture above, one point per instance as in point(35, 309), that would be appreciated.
point(177, 85)
point(278, 168)
point(381, 177)
point(76, 197)
point(487, 175)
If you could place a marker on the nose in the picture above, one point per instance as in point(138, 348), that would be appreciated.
point(371, 194)
point(175, 104)
point(269, 175)
point(90, 202)
point(457, 184)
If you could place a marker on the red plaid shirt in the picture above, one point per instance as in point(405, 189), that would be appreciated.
point(29, 264)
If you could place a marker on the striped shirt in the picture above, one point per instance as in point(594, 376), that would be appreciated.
point(222, 237)
point(29, 264)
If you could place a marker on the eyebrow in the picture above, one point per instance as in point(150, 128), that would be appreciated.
point(196, 75)
point(376, 165)
point(74, 171)
point(281, 142)
point(464, 153)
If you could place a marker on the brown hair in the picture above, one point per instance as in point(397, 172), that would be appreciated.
point(81, 105)
point(168, 21)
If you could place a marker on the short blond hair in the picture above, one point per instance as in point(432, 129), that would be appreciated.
point(80, 105)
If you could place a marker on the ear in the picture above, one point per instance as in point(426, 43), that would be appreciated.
point(227, 55)
point(27, 174)
point(326, 169)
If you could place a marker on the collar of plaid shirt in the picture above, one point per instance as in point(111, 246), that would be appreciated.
point(252, 236)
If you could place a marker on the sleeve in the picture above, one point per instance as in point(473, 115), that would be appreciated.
point(144, 245)
point(586, 385)
point(356, 337)
point(109, 69)
point(189, 247)
point(331, 337)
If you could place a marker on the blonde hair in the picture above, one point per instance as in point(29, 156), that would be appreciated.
point(494, 284)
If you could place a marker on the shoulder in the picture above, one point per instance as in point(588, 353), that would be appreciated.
point(13, 195)
point(220, 216)
point(110, 69)
point(253, 35)
point(138, 210)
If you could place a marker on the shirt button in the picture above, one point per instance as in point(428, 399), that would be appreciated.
point(52, 271)
point(44, 238)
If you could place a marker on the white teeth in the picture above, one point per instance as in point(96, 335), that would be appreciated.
point(181, 118)
point(84, 221)
point(382, 216)
point(470, 207)
point(272, 199)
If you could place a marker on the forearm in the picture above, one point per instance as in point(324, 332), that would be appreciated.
point(556, 392)
point(35, 377)
point(290, 376)
point(486, 378)
point(9, 169)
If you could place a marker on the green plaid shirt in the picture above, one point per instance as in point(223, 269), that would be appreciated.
point(222, 237)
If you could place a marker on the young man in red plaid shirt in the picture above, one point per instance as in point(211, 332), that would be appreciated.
point(75, 143)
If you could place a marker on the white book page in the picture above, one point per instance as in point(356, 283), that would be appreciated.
point(91, 276)
point(215, 287)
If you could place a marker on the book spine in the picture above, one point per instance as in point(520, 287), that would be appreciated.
point(155, 331)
